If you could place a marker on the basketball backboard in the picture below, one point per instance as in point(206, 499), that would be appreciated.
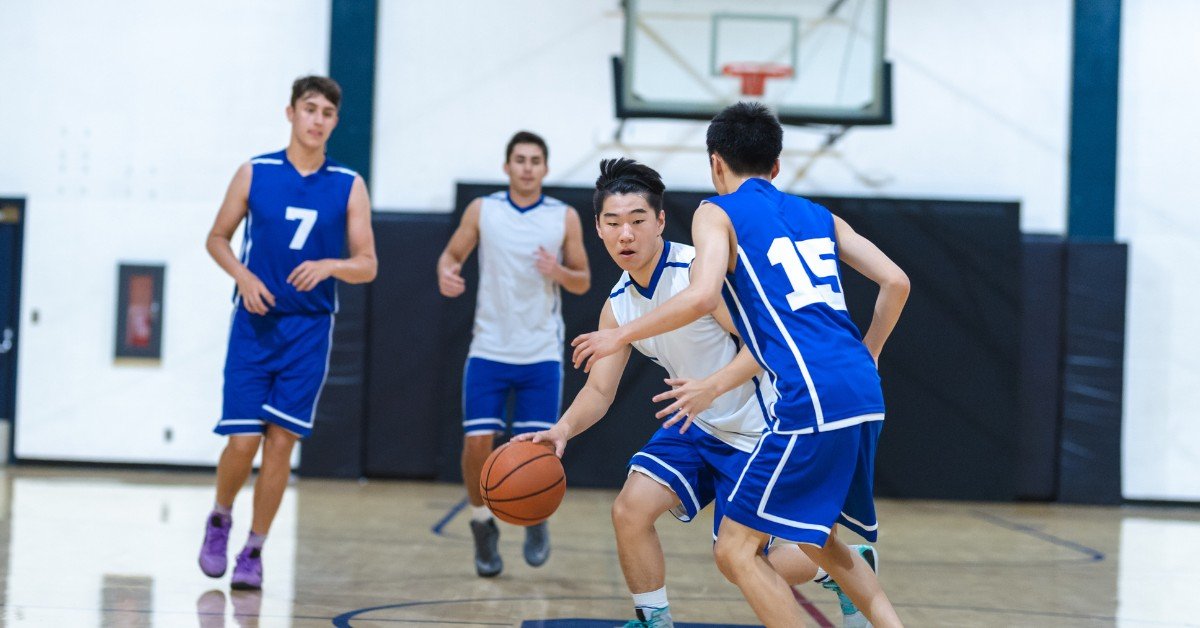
point(812, 61)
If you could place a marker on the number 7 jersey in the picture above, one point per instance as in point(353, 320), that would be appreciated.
point(786, 296)
point(292, 219)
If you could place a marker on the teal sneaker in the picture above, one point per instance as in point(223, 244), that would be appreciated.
point(851, 616)
point(660, 618)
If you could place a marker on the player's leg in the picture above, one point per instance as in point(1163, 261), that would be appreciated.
point(485, 389)
point(845, 565)
point(300, 361)
point(740, 558)
point(247, 383)
point(539, 398)
point(668, 474)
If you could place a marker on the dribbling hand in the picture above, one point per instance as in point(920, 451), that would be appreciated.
point(551, 436)
point(254, 294)
point(450, 282)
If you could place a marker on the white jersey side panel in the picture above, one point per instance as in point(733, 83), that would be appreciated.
point(518, 312)
point(693, 351)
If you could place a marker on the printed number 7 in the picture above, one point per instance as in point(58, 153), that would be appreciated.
point(820, 258)
point(307, 218)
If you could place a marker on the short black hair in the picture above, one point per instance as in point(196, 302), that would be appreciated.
point(322, 85)
point(525, 137)
point(747, 136)
point(626, 176)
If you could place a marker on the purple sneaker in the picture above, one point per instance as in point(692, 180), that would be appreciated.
point(247, 573)
point(214, 552)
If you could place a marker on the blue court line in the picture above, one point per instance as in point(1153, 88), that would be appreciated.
point(343, 620)
point(1094, 554)
point(454, 510)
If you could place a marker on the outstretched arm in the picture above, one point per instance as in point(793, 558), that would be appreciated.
point(713, 235)
point(866, 258)
point(573, 273)
point(593, 401)
point(449, 266)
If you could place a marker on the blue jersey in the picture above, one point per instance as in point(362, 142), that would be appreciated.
point(786, 291)
point(293, 219)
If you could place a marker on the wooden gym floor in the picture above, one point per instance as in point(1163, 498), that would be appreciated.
point(85, 547)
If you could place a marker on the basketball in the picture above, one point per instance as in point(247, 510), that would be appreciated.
point(523, 483)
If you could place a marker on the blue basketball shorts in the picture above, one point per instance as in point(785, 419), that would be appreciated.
point(487, 384)
point(698, 467)
point(275, 368)
point(797, 486)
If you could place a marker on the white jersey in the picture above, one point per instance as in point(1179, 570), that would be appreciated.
point(695, 350)
point(518, 311)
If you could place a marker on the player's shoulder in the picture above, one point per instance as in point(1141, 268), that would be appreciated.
point(340, 169)
point(550, 201)
point(679, 254)
point(277, 158)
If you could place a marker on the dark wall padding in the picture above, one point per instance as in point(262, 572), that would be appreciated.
point(1093, 371)
point(1043, 276)
point(404, 416)
point(950, 370)
point(335, 447)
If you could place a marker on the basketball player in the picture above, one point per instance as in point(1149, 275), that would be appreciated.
point(814, 468)
point(679, 470)
point(300, 209)
point(518, 338)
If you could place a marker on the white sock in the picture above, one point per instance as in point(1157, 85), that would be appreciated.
point(480, 513)
point(646, 603)
point(821, 576)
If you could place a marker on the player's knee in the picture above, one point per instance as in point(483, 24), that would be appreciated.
point(477, 446)
point(731, 560)
point(279, 443)
point(625, 512)
point(243, 446)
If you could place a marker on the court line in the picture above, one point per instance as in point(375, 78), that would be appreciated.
point(1094, 554)
point(813, 611)
point(454, 510)
point(343, 620)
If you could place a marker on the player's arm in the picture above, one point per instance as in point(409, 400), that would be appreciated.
point(573, 273)
point(254, 294)
point(361, 266)
point(862, 255)
point(593, 401)
point(464, 240)
point(693, 396)
point(712, 233)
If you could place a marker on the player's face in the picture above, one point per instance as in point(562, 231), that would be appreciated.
point(630, 229)
point(313, 119)
point(526, 168)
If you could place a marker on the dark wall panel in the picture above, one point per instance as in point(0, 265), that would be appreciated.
point(1093, 372)
point(1043, 270)
point(336, 445)
point(406, 357)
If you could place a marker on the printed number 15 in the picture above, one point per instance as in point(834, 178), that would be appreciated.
point(821, 261)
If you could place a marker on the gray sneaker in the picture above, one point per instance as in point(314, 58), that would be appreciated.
point(487, 556)
point(537, 544)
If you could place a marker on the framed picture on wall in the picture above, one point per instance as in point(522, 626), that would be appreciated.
point(139, 310)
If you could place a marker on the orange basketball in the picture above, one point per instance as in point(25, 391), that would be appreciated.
point(523, 483)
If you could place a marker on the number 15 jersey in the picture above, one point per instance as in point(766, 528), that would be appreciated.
point(293, 219)
point(787, 294)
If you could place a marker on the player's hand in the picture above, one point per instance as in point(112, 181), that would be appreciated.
point(307, 275)
point(551, 436)
point(255, 296)
point(450, 281)
point(590, 348)
point(692, 396)
point(546, 263)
